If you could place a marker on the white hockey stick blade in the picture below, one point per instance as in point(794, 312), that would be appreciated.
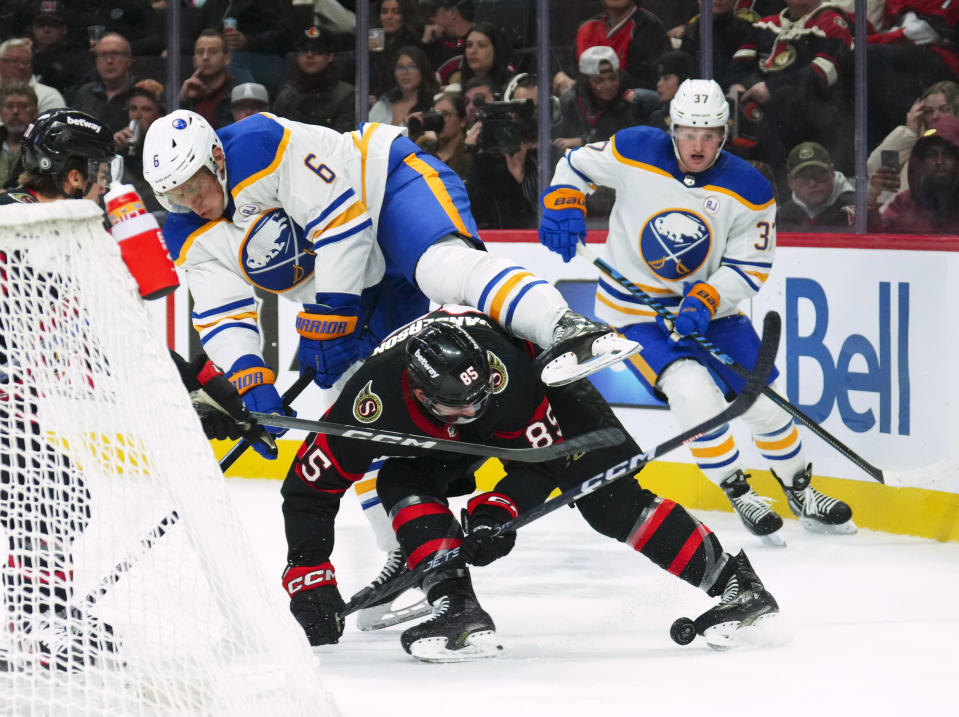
point(922, 477)
point(607, 349)
point(479, 646)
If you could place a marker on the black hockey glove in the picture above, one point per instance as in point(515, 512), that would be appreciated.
point(481, 518)
point(315, 602)
point(220, 408)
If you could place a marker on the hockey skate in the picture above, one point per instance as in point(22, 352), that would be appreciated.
point(581, 347)
point(459, 631)
point(744, 607)
point(753, 509)
point(817, 512)
point(383, 613)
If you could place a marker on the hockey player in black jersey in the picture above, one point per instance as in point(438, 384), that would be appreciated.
point(453, 374)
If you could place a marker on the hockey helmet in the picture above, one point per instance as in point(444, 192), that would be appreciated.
point(699, 103)
point(451, 369)
point(175, 148)
point(57, 136)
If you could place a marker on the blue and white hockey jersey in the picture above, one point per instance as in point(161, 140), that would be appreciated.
point(668, 228)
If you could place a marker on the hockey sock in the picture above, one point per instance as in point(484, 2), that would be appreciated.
point(425, 527)
point(450, 272)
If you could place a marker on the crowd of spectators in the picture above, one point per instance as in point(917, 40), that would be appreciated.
point(457, 73)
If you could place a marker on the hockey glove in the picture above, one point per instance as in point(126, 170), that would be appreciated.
point(253, 380)
point(315, 601)
point(695, 312)
point(563, 224)
point(481, 517)
point(329, 342)
point(220, 408)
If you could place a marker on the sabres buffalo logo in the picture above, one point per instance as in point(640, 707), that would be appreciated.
point(274, 254)
point(674, 243)
point(367, 406)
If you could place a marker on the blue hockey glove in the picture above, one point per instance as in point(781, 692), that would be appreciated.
point(329, 342)
point(563, 224)
point(253, 380)
point(697, 309)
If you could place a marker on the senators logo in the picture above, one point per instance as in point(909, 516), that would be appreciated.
point(498, 374)
point(368, 406)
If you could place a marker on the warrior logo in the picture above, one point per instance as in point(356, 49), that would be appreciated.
point(498, 375)
point(275, 255)
point(368, 406)
point(674, 243)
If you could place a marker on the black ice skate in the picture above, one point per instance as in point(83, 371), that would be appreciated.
point(745, 604)
point(753, 509)
point(383, 613)
point(817, 512)
point(459, 630)
point(581, 347)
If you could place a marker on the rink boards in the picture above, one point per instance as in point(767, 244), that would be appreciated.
point(868, 346)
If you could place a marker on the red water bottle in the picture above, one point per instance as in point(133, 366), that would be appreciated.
point(141, 242)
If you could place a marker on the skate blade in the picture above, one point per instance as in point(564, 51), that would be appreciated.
point(729, 635)
point(481, 645)
point(380, 616)
point(815, 526)
point(607, 350)
point(773, 540)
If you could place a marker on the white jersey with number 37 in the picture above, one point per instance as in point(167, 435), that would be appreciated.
point(669, 228)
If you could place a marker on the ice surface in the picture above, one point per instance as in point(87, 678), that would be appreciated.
point(872, 618)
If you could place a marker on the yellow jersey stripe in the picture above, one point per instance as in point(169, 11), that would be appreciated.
point(436, 186)
point(194, 235)
point(623, 310)
point(365, 486)
point(280, 151)
point(362, 143)
point(231, 317)
point(644, 368)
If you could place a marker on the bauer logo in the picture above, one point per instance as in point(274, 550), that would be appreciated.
point(865, 375)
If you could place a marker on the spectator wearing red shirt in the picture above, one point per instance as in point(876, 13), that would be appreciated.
point(637, 36)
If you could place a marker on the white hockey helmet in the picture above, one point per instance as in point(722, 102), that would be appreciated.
point(699, 103)
point(175, 148)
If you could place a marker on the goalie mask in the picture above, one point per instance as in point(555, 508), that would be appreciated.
point(451, 370)
point(58, 136)
point(699, 103)
point(175, 148)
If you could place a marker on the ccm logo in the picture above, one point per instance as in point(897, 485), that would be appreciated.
point(320, 576)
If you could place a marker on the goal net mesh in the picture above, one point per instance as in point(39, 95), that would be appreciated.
point(129, 586)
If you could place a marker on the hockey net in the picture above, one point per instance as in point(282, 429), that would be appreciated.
point(129, 586)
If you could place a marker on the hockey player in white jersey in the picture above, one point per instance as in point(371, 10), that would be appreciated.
point(695, 228)
point(362, 228)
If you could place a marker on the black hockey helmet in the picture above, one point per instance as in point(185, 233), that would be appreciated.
point(57, 136)
point(451, 369)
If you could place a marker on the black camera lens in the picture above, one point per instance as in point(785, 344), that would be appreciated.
point(428, 122)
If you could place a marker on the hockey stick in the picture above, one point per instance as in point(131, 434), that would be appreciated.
point(295, 389)
point(600, 438)
point(724, 358)
point(146, 544)
point(754, 383)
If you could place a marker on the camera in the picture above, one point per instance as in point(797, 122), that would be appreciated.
point(427, 122)
point(506, 125)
